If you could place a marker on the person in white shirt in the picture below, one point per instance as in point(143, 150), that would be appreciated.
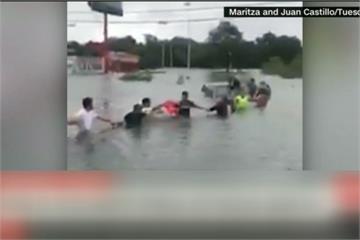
point(85, 117)
point(146, 106)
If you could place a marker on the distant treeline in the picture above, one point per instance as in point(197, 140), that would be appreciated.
point(224, 47)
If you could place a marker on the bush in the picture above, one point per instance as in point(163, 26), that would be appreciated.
point(275, 66)
point(138, 76)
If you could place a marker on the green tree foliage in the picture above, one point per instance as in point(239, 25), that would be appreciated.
point(224, 44)
point(126, 44)
point(284, 47)
point(77, 49)
point(276, 66)
point(224, 32)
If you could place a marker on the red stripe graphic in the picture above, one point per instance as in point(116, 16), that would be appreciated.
point(60, 185)
point(57, 181)
point(12, 228)
point(347, 190)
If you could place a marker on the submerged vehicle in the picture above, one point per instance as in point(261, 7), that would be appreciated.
point(216, 89)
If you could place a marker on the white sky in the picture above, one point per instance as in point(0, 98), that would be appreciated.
point(250, 27)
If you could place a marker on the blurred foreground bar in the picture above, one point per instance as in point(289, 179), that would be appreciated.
point(201, 204)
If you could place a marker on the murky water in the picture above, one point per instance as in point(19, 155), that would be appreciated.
point(253, 140)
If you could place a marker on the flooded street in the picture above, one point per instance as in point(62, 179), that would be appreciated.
point(253, 140)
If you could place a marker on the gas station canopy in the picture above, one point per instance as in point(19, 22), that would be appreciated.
point(113, 8)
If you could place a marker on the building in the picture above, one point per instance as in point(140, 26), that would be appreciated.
point(117, 62)
point(85, 65)
point(122, 62)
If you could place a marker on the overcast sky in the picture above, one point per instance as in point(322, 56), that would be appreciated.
point(250, 27)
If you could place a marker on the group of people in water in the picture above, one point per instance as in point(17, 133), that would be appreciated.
point(240, 95)
point(239, 98)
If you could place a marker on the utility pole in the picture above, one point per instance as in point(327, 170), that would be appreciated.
point(171, 54)
point(105, 43)
point(230, 61)
point(163, 47)
point(163, 54)
point(228, 64)
point(189, 39)
point(106, 91)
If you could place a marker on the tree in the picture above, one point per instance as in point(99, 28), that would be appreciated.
point(74, 48)
point(284, 47)
point(150, 39)
point(225, 43)
point(223, 32)
point(150, 54)
point(126, 44)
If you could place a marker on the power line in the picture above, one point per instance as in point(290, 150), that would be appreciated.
point(164, 22)
point(149, 21)
point(178, 9)
point(74, 21)
point(156, 10)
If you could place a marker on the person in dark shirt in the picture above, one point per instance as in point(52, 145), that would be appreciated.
point(134, 118)
point(252, 87)
point(221, 107)
point(235, 84)
point(185, 105)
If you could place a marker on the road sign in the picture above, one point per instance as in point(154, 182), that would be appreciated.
point(113, 8)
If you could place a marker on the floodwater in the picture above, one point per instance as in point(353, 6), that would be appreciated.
point(253, 140)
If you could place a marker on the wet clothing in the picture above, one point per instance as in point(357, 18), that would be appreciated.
point(262, 96)
point(85, 118)
point(264, 91)
point(184, 107)
point(252, 88)
point(221, 109)
point(147, 110)
point(134, 119)
point(241, 102)
point(261, 101)
point(170, 108)
point(236, 84)
point(83, 135)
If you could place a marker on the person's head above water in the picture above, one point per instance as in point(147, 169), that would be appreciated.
point(184, 95)
point(87, 103)
point(146, 102)
point(137, 108)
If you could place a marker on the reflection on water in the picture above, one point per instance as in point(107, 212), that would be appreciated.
point(253, 139)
